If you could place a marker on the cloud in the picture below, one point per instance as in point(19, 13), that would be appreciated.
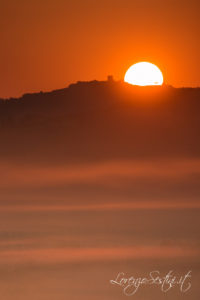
point(105, 173)
point(72, 255)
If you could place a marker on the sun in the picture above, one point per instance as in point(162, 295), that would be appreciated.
point(144, 74)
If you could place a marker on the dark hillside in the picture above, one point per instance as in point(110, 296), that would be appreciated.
point(101, 120)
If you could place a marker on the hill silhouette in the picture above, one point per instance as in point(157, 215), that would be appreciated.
point(101, 120)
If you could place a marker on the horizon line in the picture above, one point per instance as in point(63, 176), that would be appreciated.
point(110, 80)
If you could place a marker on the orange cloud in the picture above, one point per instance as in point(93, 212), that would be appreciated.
point(71, 255)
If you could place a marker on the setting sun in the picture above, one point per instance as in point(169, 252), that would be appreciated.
point(144, 74)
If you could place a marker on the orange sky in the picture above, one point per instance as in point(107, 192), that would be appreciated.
point(47, 44)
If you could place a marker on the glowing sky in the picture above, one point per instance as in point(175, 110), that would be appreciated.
point(48, 44)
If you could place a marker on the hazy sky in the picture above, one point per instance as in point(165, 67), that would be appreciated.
point(47, 44)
